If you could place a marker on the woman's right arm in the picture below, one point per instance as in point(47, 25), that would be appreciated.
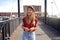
point(25, 28)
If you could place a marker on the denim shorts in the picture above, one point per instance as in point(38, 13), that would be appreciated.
point(28, 35)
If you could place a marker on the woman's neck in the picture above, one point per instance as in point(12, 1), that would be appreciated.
point(28, 20)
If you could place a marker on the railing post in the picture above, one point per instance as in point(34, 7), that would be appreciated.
point(3, 33)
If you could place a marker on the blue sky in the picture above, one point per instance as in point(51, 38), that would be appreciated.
point(11, 5)
point(4, 2)
point(8, 5)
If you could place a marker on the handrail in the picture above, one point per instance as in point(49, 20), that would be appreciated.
point(7, 27)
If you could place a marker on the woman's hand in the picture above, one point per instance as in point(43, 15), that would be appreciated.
point(26, 29)
point(32, 29)
point(29, 30)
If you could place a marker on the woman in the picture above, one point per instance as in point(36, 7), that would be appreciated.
point(29, 25)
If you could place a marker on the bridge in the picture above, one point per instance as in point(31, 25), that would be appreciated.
point(11, 30)
point(48, 27)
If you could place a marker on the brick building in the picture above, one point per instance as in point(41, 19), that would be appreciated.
point(36, 8)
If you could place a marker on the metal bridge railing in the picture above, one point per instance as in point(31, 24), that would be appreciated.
point(53, 22)
point(7, 27)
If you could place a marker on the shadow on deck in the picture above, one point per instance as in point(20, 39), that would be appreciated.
point(43, 32)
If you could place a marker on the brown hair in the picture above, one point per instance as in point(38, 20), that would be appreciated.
point(32, 17)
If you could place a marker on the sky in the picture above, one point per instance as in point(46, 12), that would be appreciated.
point(11, 5)
point(8, 5)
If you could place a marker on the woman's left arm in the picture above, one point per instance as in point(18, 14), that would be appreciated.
point(36, 26)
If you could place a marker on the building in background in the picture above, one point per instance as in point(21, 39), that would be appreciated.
point(15, 14)
point(36, 8)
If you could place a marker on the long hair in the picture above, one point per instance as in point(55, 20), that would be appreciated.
point(32, 17)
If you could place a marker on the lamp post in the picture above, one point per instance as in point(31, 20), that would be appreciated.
point(45, 4)
point(19, 10)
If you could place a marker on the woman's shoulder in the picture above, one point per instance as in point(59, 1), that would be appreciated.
point(23, 18)
point(36, 20)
